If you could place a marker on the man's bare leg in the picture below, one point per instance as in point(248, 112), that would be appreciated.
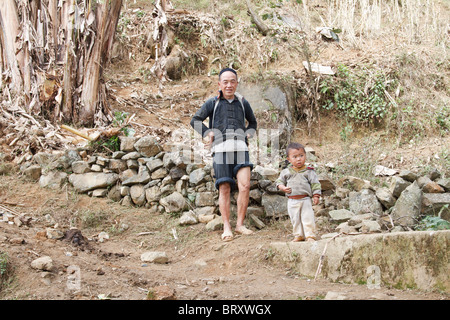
point(224, 208)
point(243, 181)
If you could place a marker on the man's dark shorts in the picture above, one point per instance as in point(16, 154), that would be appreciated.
point(227, 164)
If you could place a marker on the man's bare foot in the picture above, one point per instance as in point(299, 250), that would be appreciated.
point(310, 239)
point(243, 230)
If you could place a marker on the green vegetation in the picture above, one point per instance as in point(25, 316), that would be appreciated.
point(111, 144)
point(358, 95)
point(433, 223)
point(6, 271)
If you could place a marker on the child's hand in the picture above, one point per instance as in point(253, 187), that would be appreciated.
point(316, 200)
point(285, 189)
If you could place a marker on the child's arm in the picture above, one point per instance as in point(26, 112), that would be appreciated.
point(315, 187)
point(281, 182)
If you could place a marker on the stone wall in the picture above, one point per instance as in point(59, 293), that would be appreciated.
point(142, 174)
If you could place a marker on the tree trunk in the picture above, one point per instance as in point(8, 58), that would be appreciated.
point(55, 52)
point(9, 23)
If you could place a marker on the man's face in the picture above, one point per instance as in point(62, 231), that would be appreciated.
point(297, 157)
point(228, 84)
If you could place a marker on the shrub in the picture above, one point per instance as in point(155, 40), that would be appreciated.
point(433, 223)
point(359, 96)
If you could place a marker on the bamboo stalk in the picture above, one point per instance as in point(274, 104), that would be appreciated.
point(77, 132)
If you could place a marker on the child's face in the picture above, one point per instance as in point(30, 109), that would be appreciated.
point(297, 157)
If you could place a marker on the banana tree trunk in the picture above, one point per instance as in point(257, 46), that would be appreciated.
point(9, 23)
point(55, 52)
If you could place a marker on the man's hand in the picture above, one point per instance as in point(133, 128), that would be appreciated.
point(284, 188)
point(209, 140)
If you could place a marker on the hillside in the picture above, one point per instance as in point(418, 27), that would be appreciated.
point(407, 45)
point(415, 76)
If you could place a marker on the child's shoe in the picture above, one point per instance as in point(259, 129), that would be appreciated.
point(298, 239)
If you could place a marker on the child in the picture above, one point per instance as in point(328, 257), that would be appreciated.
point(300, 183)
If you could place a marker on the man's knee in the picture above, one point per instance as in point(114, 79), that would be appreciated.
point(224, 188)
point(244, 186)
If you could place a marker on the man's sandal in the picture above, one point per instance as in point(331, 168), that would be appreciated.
point(227, 237)
point(243, 230)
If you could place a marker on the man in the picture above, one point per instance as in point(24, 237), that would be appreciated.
point(228, 139)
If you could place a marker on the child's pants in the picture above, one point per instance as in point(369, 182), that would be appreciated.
point(302, 217)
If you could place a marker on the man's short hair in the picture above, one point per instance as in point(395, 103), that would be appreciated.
point(294, 145)
point(227, 69)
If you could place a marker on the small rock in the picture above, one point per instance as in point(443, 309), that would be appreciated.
point(432, 187)
point(155, 257)
point(17, 241)
point(54, 233)
point(344, 227)
point(215, 224)
point(444, 183)
point(148, 146)
point(434, 174)
point(187, 218)
point(161, 293)
point(33, 172)
point(43, 263)
point(205, 199)
point(80, 167)
point(257, 222)
point(354, 183)
point(341, 215)
point(205, 218)
point(197, 176)
point(383, 171)
point(102, 236)
point(370, 226)
point(385, 197)
point(408, 175)
point(397, 185)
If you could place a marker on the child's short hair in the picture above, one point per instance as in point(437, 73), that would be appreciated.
point(294, 145)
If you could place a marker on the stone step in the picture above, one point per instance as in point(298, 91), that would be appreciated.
point(416, 259)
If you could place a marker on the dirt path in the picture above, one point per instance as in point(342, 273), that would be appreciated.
point(200, 266)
